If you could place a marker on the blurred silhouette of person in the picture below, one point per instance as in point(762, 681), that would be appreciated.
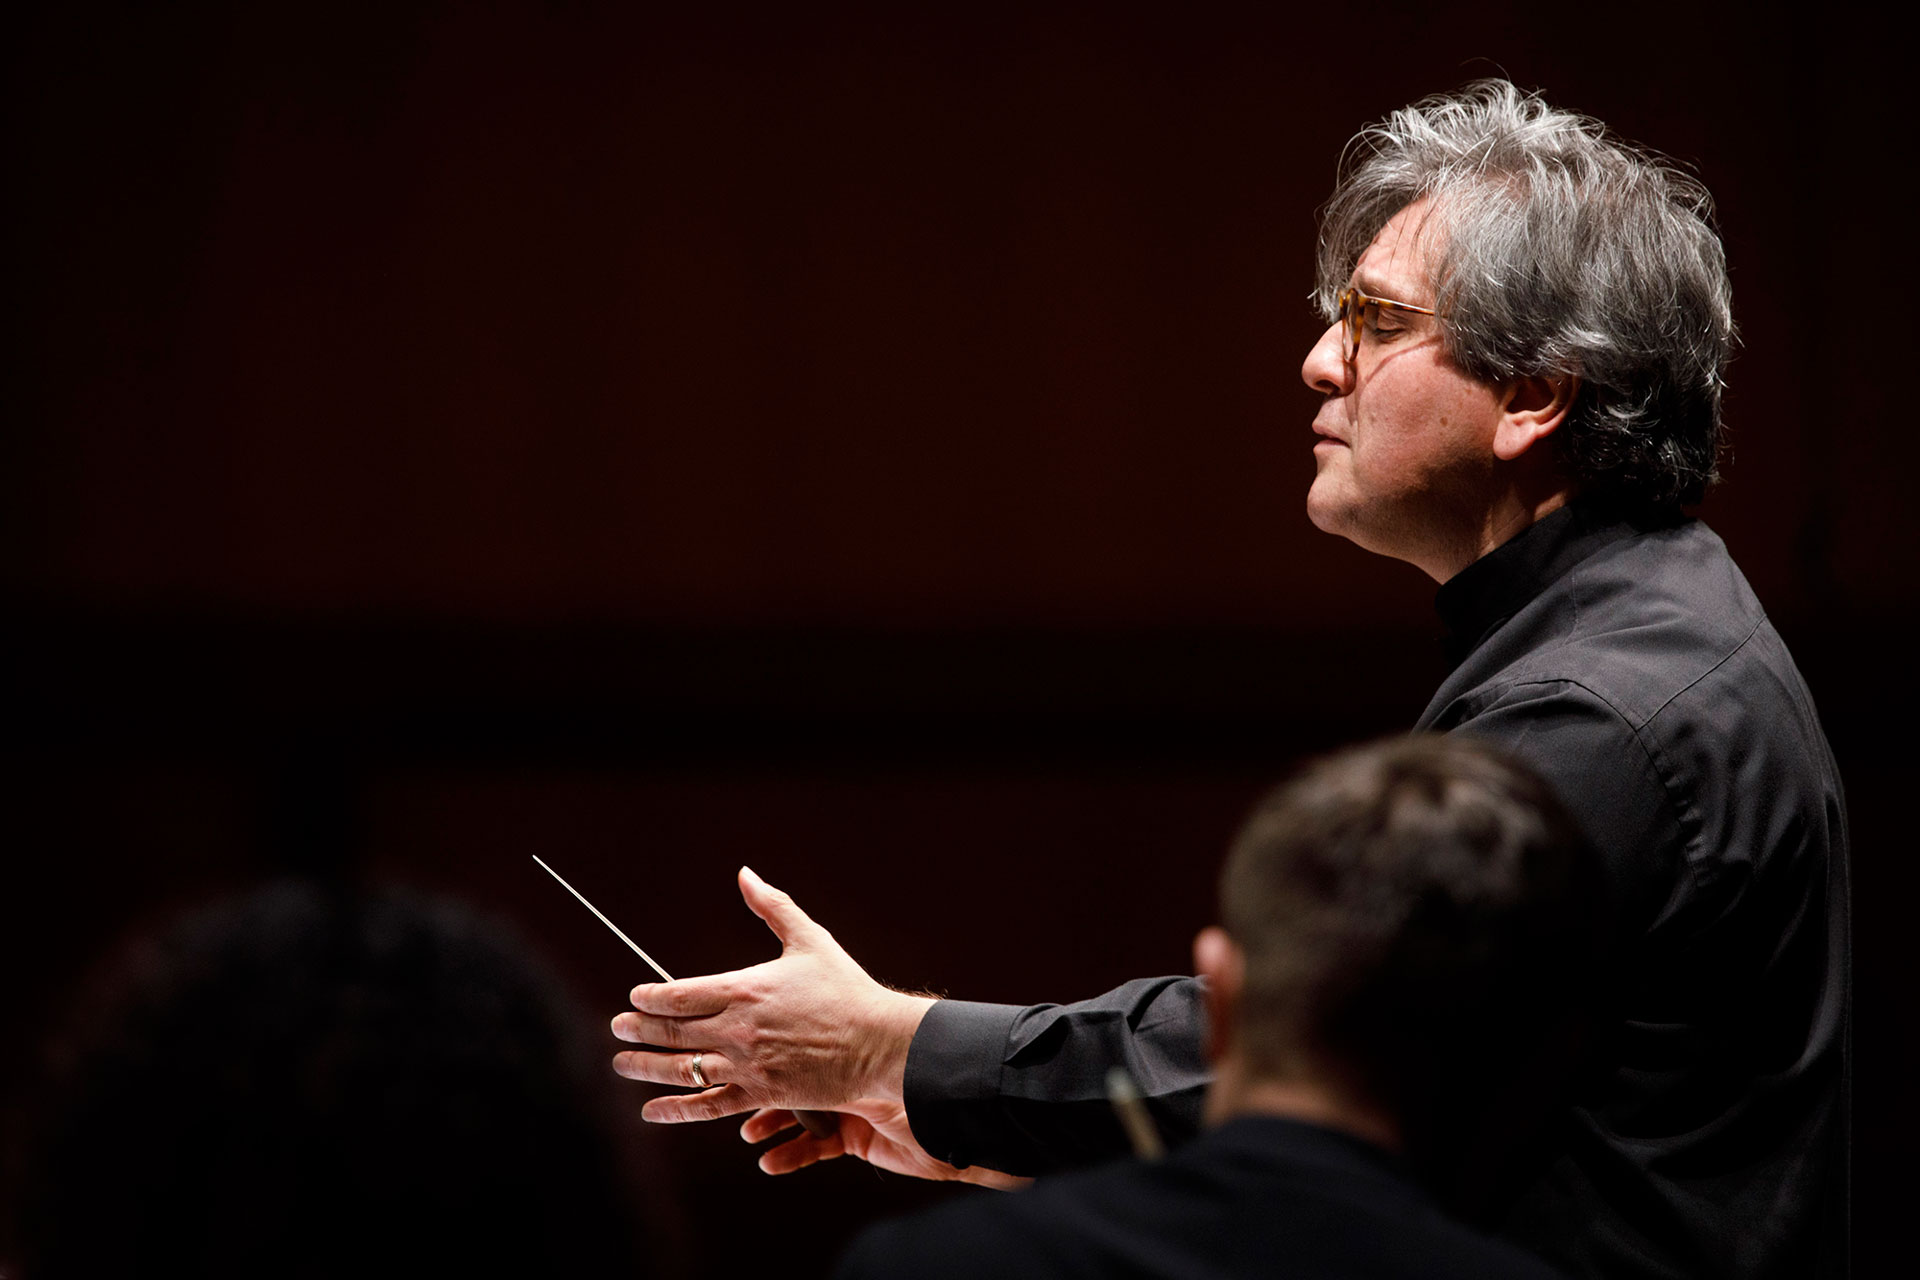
point(312, 1082)
point(1410, 946)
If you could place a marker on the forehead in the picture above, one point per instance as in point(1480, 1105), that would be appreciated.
point(1398, 264)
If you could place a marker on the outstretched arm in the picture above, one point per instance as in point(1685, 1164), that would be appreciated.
point(993, 1087)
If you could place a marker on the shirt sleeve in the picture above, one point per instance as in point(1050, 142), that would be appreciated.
point(1023, 1090)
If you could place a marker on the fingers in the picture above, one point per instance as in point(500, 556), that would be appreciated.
point(675, 1068)
point(687, 998)
point(692, 1108)
point(669, 1033)
point(789, 923)
point(798, 1153)
point(717, 1097)
point(765, 1123)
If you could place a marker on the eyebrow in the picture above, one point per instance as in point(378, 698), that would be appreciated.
point(1373, 289)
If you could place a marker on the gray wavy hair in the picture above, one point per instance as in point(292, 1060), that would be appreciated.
point(1567, 251)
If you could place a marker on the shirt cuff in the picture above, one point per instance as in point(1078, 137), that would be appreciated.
point(953, 1073)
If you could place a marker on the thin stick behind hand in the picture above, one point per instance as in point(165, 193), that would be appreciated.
point(603, 920)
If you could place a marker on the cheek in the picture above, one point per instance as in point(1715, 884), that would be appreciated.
point(1389, 430)
point(1411, 426)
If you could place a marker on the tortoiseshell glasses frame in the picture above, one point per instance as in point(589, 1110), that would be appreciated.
point(1353, 314)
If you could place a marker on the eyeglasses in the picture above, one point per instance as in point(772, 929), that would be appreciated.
point(1353, 314)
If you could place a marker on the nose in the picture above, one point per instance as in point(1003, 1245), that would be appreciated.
point(1327, 369)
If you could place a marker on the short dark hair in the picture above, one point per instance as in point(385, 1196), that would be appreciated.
point(305, 1082)
point(1415, 915)
point(1566, 251)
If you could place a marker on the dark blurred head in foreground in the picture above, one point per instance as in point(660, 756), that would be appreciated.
point(302, 1083)
point(1412, 932)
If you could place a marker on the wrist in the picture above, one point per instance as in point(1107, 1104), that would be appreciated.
point(895, 1022)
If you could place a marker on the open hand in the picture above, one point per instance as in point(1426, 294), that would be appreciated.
point(809, 1030)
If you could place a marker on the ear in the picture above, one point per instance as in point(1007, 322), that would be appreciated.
point(1531, 410)
point(1219, 960)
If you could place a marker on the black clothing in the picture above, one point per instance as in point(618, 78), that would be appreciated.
point(1259, 1196)
point(1646, 684)
point(1634, 669)
point(1025, 1090)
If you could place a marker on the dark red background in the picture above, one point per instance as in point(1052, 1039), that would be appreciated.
point(868, 445)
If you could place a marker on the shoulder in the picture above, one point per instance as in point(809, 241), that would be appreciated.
point(1650, 688)
point(1632, 626)
point(1653, 645)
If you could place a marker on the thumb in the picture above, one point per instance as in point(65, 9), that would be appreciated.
point(789, 923)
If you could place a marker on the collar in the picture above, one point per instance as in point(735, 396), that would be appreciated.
point(1493, 588)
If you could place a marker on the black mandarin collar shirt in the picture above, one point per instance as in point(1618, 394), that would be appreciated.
point(1490, 590)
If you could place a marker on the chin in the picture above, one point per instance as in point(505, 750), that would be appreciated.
point(1327, 516)
point(1345, 522)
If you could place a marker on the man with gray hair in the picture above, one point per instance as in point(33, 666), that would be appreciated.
point(1520, 383)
